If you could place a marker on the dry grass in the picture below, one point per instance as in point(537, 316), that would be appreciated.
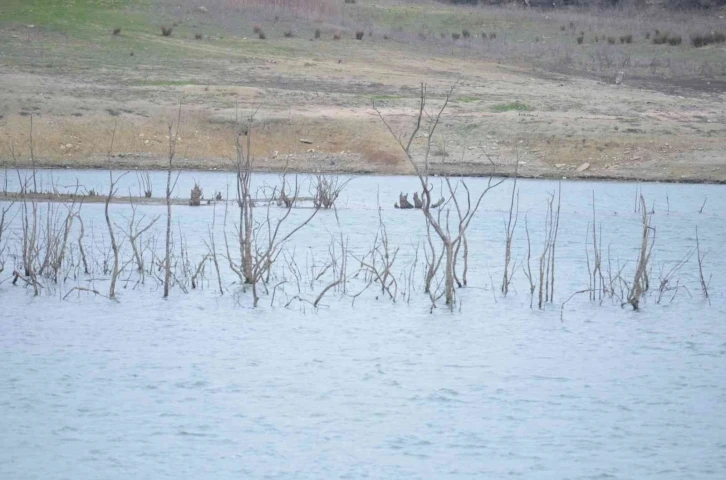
point(313, 9)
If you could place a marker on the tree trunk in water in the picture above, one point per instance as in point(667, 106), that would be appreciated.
point(449, 275)
point(167, 257)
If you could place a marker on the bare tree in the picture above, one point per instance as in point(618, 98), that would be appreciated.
point(528, 266)
point(640, 279)
point(546, 282)
point(258, 250)
point(510, 225)
point(3, 227)
point(114, 245)
point(136, 228)
point(144, 180)
point(597, 283)
point(700, 256)
point(173, 136)
point(440, 222)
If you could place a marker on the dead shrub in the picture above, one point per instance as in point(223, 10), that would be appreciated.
point(195, 197)
point(166, 31)
point(702, 40)
point(326, 190)
point(117, 31)
point(698, 40)
point(359, 35)
point(660, 39)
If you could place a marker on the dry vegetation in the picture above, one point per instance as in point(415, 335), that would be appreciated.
point(541, 76)
point(50, 253)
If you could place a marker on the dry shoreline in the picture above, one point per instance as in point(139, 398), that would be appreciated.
point(437, 170)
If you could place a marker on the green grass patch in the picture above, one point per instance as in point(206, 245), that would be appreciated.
point(466, 99)
point(512, 107)
point(70, 16)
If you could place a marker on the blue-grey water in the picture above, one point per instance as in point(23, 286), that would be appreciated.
point(202, 385)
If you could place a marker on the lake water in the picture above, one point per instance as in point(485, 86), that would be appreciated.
point(202, 385)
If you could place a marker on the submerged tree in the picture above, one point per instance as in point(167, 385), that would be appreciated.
point(451, 233)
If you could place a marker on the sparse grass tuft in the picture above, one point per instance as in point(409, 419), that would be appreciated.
point(515, 106)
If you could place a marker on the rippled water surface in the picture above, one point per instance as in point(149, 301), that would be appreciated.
point(204, 386)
